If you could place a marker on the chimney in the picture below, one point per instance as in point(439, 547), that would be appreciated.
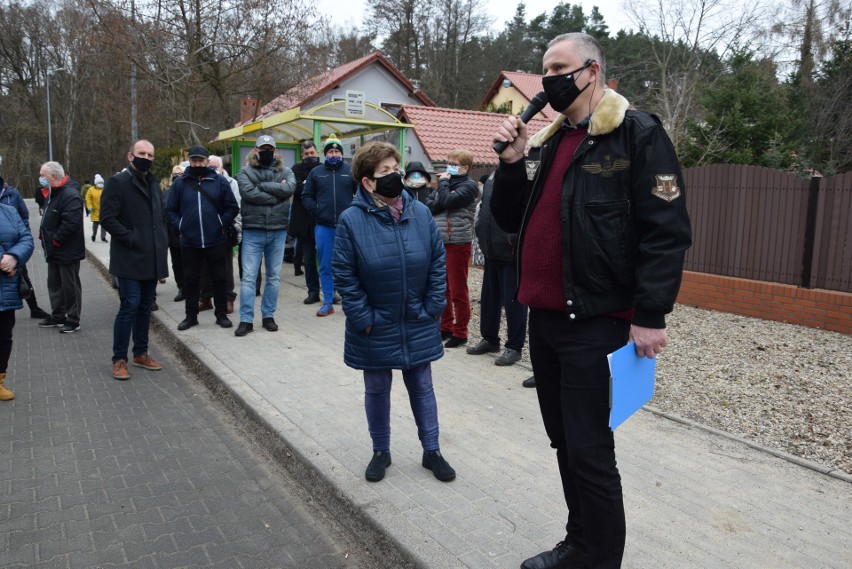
point(249, 109)
point(612, 84)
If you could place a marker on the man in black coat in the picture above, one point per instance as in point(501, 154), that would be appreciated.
point(302, 223)
point(62, 238)
point(132, 212)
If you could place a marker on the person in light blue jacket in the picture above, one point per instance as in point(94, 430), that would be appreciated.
point(389, 266)
point(16, 247)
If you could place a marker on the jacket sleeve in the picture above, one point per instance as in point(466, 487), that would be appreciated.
point(251, 191)
point(344, 267)
point(309, 194)
point(22, 208)
point(22, 250)
point(71, 218)
point(510, 195)
point(229, 202)
point(111, 204)
point(662, 228)
point(462, 196)
point(173, 205)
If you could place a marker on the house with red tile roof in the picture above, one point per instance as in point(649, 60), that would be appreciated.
point(439, 130)
point(515, 90)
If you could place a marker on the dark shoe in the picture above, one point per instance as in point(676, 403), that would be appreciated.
point(39, 313)
point(529, 382)
point(104, 240)
point(565, 555)
point(244, 328)
point(180, 296)
point(93, 238)
point(508, 357)
point(446, 335)
point(483, 347)
point(205, 304)
point(325, 310)
point(229, 309)
point(312, 299)
point(455, 342)
point(188, 323)
point(337, 299)
point(154, 307)
point(69, 327)
point(376, 468)
point(223, 321)
point(51, 322)
point(298, 272)
point(270, 325)
point(435, 462)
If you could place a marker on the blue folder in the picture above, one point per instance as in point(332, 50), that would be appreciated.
point(631, 383)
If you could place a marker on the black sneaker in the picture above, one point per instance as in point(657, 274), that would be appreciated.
point(455, 342)
point(565, 555)
point(244, 328)
point(270, 325)
point(69, 327)
point(188, 323)
point(376, 469)
point(180, 297)
point(483, 347)
point(446, 335)
point(39, 313)
point(223, 321)
point(529, 382)
point(433, 461)
point(51, 322)
point(508, 357)
point(312, 299)
point(93, 238)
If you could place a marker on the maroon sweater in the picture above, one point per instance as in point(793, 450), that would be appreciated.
point(541, 254)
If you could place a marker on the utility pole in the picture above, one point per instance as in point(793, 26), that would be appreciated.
point(134, 131)
point(47, 75)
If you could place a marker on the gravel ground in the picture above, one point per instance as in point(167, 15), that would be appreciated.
point(781, 385)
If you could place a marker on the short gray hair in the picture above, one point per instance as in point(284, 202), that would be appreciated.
point(54, 169)
point(586, 46)
point(213, 157)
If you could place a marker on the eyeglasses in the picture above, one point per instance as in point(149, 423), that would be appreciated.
point(453, 164)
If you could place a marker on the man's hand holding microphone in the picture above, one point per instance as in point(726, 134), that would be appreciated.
point(510, 140)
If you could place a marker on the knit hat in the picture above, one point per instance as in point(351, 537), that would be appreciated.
point(98, 179)
point(331, 142)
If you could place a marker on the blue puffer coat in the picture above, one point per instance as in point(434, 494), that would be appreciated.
point(392, 276)
point(15, 239)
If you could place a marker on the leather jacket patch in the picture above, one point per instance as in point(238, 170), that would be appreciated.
point(607, 167)
point(666, 188)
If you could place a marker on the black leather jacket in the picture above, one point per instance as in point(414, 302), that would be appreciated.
point(625, 227)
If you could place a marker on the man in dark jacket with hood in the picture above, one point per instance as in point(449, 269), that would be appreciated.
point(132, 212)
point(63, 240)
point(328, 191)
point(266, 185)
point(200, 207)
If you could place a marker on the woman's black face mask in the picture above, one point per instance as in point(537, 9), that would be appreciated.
point(389, 185)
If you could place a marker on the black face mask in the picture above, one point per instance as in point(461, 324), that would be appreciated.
point(562, 89)
point(311, 161)
point(265, 157)
point(389, 185)
point(197, 171)
point(142, 164)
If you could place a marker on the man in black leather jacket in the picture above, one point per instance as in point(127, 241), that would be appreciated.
point(603, 230)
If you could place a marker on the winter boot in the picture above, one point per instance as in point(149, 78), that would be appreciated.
point(6, 394)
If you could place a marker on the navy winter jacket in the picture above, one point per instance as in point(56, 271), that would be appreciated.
point(15, 240)
point(329, 191)
point(11, 196)
point(392, 277)
point(201, 220)
point(61, 230)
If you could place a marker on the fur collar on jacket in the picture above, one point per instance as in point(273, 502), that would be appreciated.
point(277, 162)
point(607, 116)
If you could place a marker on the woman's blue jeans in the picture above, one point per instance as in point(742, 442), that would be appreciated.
point(418, 382)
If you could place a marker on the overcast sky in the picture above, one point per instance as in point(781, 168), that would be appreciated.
point(499, 10)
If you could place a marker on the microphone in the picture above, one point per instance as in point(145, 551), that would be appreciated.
point(532, 110)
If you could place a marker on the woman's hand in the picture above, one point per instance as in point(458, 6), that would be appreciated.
point(8, 264)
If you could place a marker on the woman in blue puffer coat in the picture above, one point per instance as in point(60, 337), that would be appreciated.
point(389, 266)
point(16, 247)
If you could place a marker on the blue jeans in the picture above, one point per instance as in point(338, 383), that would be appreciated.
point(258, 243)
point(325, 243)
point(133, 318)
point(418, 382)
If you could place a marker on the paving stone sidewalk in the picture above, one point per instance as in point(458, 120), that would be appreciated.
point(145, 473)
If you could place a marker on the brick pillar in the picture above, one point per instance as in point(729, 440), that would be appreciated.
point(249, 109)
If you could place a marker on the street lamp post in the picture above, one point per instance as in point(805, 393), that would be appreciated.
point(49, 121)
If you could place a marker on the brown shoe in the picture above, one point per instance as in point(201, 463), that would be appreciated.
point(147, 362)
point(119, 369)
point(205, 304)
point(230, 308)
